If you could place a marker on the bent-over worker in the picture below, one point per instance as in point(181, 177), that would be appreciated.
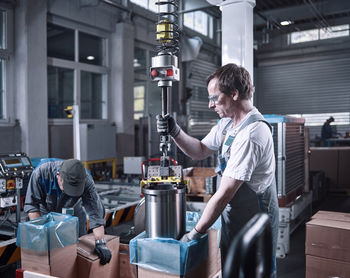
point(57, 184)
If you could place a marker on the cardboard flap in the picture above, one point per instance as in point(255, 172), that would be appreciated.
point(329, 223)
point(331, 215)
point(86, 246)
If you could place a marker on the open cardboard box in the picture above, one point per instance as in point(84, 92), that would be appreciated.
point(210, 267)
point(126, 269)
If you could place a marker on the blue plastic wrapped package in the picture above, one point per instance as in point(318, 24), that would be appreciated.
point(51, 231)
point(167, 254)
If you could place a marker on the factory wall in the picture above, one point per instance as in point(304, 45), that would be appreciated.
point(310, 78)
point(27, 127)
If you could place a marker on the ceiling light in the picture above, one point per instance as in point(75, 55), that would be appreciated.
point(286, 22)
point(90, 58)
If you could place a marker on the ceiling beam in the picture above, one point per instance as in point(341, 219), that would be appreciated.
point(303, 12)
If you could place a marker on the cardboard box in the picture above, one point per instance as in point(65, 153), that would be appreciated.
point(47, 243)
point(50, 262)
point(325, 268)
point(343, 168)
point(210, 267)
point(126, 269)
point(197, 178)
point(88, 262)
point(334, 162)
point(328, 239)
point(325, 159)
point(332, 215)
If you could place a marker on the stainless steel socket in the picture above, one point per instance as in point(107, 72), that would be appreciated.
point(165, 211)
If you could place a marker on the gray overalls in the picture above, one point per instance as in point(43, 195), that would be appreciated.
point(246, 202)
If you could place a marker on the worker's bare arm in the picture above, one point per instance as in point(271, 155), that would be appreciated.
point(33, 215)
point(218, 202)
point(99, 232)
point(192, 146)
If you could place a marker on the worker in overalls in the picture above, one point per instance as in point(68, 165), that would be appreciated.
point(56, 184)
point(246, 157)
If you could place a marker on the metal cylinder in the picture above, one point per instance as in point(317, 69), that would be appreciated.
point(165, 211)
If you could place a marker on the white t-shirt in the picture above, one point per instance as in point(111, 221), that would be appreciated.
point(251, 156)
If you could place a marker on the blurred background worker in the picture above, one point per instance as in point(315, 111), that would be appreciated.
point(327, 131)
point(246, 157)
point(64, 184)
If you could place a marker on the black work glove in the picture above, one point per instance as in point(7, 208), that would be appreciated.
point(167, 124)
point(102, 251)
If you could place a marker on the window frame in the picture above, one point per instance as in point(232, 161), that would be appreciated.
point(8, 115)
point(209, 20)
point(78, 67)
point(319, 35)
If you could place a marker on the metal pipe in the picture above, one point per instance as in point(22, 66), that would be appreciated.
point(149, 119)
point(18, 205)
point(164, 101)
point(76, 131)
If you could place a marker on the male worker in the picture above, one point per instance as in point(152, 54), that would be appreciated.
point(246, 152)
point(57, 184)
point(327, 131)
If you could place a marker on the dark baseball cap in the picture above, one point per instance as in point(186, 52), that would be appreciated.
point(73, 174)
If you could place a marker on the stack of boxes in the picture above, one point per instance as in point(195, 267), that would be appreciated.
point(50, 246)
point(327, 245)
point(202, 180)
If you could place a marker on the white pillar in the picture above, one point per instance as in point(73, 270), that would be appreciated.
point(31, 76)
point(122, 87)
point(237, 33)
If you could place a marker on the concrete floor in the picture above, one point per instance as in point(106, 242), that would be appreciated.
point(293, 266)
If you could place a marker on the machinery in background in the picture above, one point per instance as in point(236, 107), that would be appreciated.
point(163, 185)
point(291, 146)
point(15, 171)
point(289, 143)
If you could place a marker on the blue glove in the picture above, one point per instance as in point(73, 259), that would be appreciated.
point(102, 251)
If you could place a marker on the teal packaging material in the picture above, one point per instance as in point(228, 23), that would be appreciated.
point(50, 231)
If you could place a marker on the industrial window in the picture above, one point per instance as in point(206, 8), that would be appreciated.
point(319, 119)
point(147, 4)
point(60, 42)
point(139, 101)
point(92, 99)
point(319, 34)
point(140, 63)
point(92, 54)
point(60, 90)
point(147, 95)
point(76, 74)
point(3, 29)
point(5, 53)
point(201, 22)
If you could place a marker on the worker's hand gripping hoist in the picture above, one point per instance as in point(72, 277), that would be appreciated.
point(165, 71)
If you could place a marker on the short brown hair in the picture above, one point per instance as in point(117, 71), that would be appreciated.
point(232, 77)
